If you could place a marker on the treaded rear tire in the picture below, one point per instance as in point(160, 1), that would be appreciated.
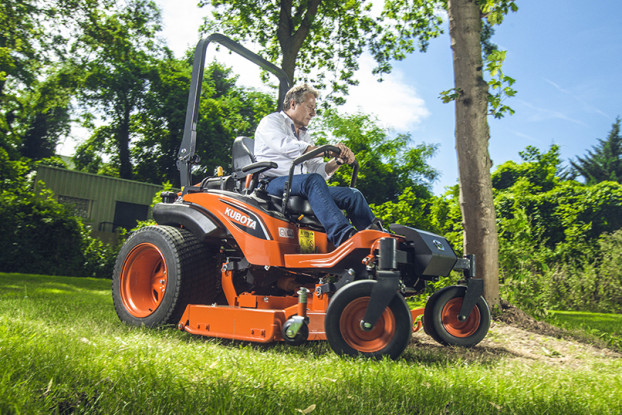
point(158, 272)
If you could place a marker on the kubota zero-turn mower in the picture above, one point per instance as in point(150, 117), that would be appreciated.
point(228, 260)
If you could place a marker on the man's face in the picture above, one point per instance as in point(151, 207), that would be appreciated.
point(302, 113)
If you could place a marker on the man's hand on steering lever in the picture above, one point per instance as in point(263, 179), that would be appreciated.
point(346, 156)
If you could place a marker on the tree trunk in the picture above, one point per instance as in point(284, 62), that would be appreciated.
point(291, 38)
point(123, 141)
point(472, 136)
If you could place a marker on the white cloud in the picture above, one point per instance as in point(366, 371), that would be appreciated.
point(393, 100)
point(180, 24)
point(181, 21)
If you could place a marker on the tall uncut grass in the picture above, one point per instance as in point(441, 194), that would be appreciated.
point(63, 350)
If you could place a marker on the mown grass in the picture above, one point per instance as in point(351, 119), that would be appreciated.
point(606, 327)
point(63, 350)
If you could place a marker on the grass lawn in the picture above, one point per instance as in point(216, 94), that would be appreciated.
point(63, 350)
point(607, 327)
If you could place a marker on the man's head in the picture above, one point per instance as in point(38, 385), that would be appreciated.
point(299, 104)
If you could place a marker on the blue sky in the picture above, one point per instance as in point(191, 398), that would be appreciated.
point(566, 57)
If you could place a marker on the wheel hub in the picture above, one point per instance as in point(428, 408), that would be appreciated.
point(452, 322)
point(143, 280)
point(366, 340)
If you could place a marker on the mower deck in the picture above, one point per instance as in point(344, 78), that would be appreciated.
point(260, 319)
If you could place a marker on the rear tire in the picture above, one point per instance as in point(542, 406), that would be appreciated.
point(441, 318)
point(390, 335)
point(158, 272)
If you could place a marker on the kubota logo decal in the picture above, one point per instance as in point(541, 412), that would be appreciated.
point(240, 218)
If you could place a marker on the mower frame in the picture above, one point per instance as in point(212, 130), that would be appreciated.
point(228, 260)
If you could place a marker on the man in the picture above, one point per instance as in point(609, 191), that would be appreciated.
point(282, 137)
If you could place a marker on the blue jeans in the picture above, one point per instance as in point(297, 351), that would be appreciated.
point(327, 203)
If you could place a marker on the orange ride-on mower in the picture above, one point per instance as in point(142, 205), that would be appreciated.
point(228, 260)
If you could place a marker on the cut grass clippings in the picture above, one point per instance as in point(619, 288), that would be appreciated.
point(63, 350)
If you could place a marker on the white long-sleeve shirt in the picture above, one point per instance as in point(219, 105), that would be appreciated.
point(276, 140)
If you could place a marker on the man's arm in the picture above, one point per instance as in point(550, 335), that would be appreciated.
point(331, 167)
point(346, 156)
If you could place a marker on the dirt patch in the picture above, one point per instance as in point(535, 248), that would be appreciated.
point(515, 335)
point(516, 317)
point(508, 342)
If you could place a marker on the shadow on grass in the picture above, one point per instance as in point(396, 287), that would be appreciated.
point(436, 354)
point(417, 352)
point(70, 296)
point(306, 350)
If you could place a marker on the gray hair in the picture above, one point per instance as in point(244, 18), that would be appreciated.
point(298, 94)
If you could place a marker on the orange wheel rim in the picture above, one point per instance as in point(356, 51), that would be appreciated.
point(366, 341)
point(456, 327)
point(143, 280)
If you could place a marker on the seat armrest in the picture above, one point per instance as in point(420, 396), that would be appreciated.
point(259, 167)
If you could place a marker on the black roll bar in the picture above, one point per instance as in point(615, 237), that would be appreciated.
point(186, 156)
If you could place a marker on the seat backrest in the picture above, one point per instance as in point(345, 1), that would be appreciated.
point(242, 152)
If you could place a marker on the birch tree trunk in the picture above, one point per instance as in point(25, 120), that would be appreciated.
point(472, 136)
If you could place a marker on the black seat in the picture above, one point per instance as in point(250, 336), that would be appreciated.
point(245, 163)
point(242, 152)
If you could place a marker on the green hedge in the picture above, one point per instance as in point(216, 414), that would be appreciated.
point(41, 236)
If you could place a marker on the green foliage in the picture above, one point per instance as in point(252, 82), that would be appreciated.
point(88, 156)
point(409, 210)
point(550, 230)
point(12, 173)
point(450, 95)
point(540, 171)
point(119, 51)
point(493, 13)
point(37, 77)
point(500, 84)
point(226, 111)
point(446, 217)
point(604, 161)
point(388, 165)
point(40, 235)
point(609, 267)
point(560, 240)
point(570, 213)
point(324, 39)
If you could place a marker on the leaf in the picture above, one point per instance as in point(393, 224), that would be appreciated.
point(309, 409)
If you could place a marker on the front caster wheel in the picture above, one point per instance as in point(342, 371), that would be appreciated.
point(441, 321)
point(295, 331)
point(389, 337)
